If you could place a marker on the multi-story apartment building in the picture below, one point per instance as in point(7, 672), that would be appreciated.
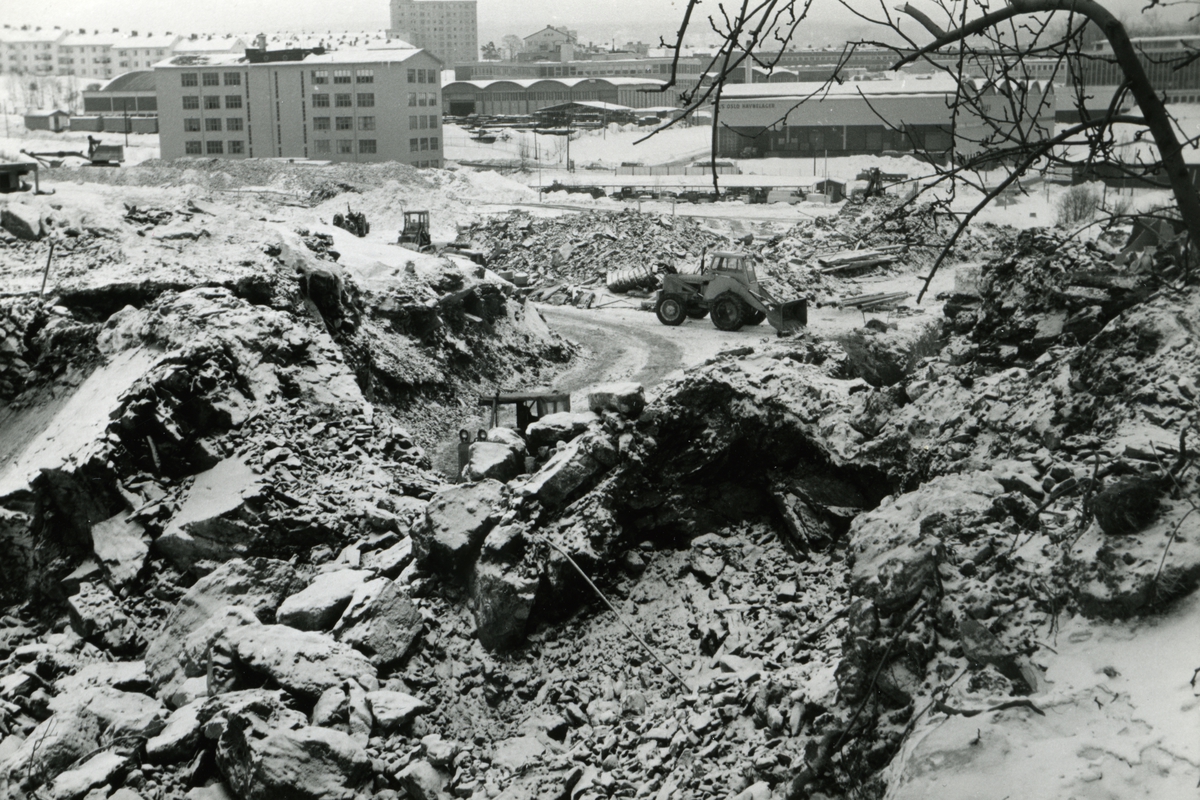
point(31, 51)
point(363, 105)
point(446, 28)
point(143, 52)
point(88, 55)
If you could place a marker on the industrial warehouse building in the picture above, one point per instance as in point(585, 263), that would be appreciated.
point(520, 97)
point(912, 114)
point(362, 105)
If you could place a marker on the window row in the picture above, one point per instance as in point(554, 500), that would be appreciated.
point(417, 145)
point(365, 100)
point(423, 121)
point(423, 76)
point(345, 147)
point(422, 99)
point(211, 101)
point(210, 78)
point(343, 123)
point(214, 147)
point(424, 164)
point(192, 124)
point(343, 76)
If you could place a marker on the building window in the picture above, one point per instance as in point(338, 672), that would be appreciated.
point(366, 146)
point(345, 123)
point(365, 76)
point(366, 123)
point(322, 146)
point(320, 123)
point(191, 101)
point(320, 76)
point(212, 101)
point(412, 76)
point(320, 101)
point(433, 120)
point(214, 148)
point(189, 79)
point(212, 79)
point(233, 101)
point(233, 79)
point(343, 101)
point(413, 145)
point(412, 123)
point(341, 76)
point(424, 143)
point(423, 121)
point(366, 99)
point(233, 124)
point(433, 143)
point(237, 147)
point(412, 99)
point(191, 124)
point(212, 124)
point(421, 98)
point(192, 148)
point(345, 147)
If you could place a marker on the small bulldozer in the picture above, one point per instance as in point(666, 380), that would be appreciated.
point(415, 235)
point(727, 288)
point(353, 221)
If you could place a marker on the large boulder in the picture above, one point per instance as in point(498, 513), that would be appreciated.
point(122, 546)
point(178, 740)
point(99, 770)
point(571, 468)
point(319, 606)
point(265, 761)
point(491, 460)
point(509, 437)
point(304, 663)
point(503, 589)
point(380, 622)
point(22, 221)
point(562, 426)
point(624, 398)
point(217, 518)
point(392, 710)
point(96, 615)
point(456, 523)
point(259, 585)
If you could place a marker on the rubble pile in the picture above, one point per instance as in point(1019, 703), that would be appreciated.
point(582, 247)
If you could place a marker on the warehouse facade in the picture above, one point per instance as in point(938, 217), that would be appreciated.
point(518, 97)
point(349, 105)
point(909, 115)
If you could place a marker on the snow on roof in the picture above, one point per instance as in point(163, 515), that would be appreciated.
point(525, 83)
point(597, 104)
point(221, 45)
point(361, 55)
point(56, 112)
point(936, 84)
point(39, 36)
point(148, 42)
point(140, 81)
point(87, 39)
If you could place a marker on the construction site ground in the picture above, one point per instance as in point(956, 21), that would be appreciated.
point(937, 549)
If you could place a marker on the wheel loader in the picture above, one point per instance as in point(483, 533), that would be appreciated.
point(728, 289)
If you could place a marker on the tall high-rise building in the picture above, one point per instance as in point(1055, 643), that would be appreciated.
point(446, 28)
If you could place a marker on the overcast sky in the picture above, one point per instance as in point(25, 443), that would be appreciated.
point(596, 20)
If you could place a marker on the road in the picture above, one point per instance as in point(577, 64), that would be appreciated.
point(624, 344)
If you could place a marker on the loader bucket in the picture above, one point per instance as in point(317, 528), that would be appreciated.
point(787, 317)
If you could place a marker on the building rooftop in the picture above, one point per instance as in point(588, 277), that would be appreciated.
point(525, 83)
point(935, 84)
point(140, 81)
point(223, 44)
point(40, 36)
point(148, 42)
point(94, 38)
point(381, 54)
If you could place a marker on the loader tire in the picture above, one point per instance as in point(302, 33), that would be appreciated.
point(670, 311)
point(697, 313)
point(727, 313)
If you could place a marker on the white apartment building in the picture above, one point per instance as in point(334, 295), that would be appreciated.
point(143, 52)
point(447, 28)
point(88, 55)
point(365, 105)
point(31, 51)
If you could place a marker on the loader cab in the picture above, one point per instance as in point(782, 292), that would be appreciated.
point(735, 265)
